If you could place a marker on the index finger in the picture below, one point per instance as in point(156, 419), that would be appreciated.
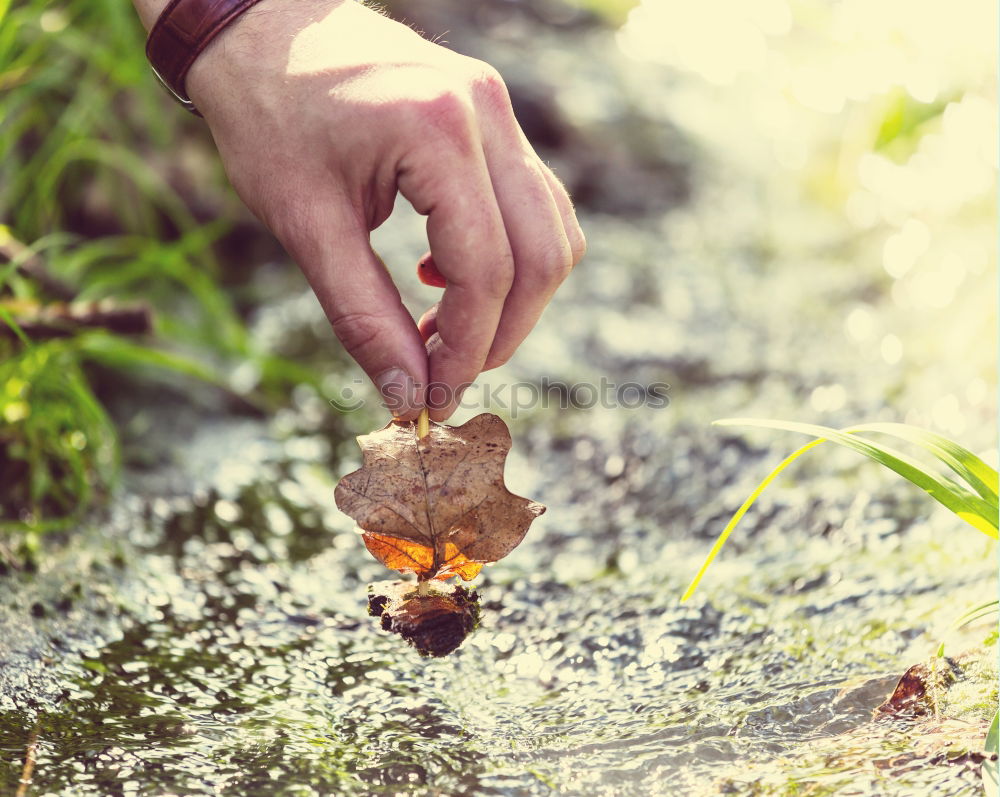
point(470, 248)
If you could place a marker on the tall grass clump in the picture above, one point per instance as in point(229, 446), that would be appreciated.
point(109, 193)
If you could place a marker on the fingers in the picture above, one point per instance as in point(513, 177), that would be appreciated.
point(447, 180)
point(541, 226)
point(428, 323)
point(368, 316)
point(428, 273)
point(574, 234)
point(501, 229)
point(542, 254)
point(545, 238)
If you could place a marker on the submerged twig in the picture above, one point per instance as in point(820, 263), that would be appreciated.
point(30, 757)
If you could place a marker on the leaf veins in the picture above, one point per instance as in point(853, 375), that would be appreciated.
point(438, 506)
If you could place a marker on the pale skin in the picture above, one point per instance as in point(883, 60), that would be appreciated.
point(322, 112)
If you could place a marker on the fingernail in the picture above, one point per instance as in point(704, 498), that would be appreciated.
point(398, 392)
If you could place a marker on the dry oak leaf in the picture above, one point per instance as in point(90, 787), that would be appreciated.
point(438, 506)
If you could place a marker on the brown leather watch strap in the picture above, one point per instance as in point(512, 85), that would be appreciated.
point(181, 33)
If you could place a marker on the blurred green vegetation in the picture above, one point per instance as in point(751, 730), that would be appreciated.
point(904, 120)
point(614, 12)
point(58, 445)
point(109, 192)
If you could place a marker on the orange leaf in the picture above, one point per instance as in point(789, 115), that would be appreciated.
point(412, 557)
point(437, 506)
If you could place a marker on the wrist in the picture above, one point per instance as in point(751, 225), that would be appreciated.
point(251, 49)
point(218, 62)
point(149, 11)
point(187, 30)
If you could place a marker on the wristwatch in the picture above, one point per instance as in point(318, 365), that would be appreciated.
point(181, 33)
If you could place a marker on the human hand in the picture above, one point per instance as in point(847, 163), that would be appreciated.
point(322, 112)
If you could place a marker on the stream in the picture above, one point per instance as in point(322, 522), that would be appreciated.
point(208, 634)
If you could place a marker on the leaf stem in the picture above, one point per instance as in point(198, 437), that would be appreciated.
point(423, 424)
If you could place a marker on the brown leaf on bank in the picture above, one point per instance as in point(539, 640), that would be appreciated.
point(908, 696)
point(438, 506)
point(912, 693)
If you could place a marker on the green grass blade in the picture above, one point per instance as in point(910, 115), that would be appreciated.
point(970, 619)
point(24, 253)
point(721, 540)
point(969, 507)
point(991, 767)
point(119, 353)
point(8, 319)
point(976, 612)
point(980, 476)
point(978, 511)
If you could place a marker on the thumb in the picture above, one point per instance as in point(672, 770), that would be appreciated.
point(368, 316)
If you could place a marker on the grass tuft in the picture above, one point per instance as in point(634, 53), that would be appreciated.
point(974, 501)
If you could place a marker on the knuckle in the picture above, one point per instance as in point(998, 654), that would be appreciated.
point(555, 264)
point(447, 113)
point(488, 86)
point(459, 352)
point(356, 330)
point(578, 243)
point(498, 281)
